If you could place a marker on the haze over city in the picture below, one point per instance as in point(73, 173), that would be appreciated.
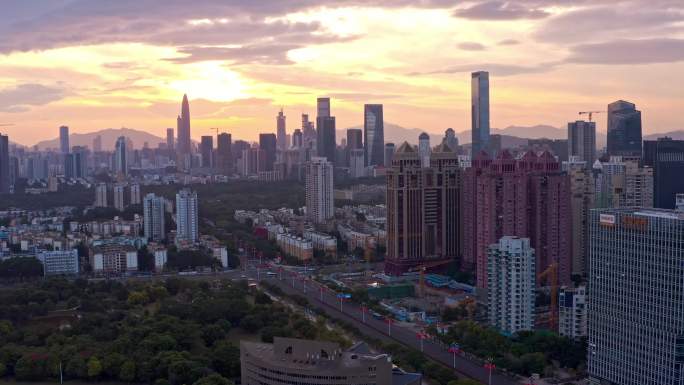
point(95, 65)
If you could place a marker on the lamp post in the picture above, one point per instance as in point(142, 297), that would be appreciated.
point(421, 336)
point(389, 325)
point(364, 309)
point(489, 365)
point(454, 349)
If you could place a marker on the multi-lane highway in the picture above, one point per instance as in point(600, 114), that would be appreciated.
point(326, 300)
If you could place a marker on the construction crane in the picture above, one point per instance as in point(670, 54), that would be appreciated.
point(217, 130)
point(590, 113)
point(551, 276)
point(423, 268)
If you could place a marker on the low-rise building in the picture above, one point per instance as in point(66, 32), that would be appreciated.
point(63, 262)
point(113, 259)
point(322, 241)
point(572, 312)
point(295, 246)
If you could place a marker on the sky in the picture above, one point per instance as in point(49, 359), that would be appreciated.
point(95, 64)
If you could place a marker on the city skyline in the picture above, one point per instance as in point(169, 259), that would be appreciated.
point(236, 80)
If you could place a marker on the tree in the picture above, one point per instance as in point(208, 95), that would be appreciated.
point(226, 359)
point(213, 379)
point(127, 372)
point(94, 367)
point(76, 367)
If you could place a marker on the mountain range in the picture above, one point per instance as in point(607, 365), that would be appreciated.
point(511, 136)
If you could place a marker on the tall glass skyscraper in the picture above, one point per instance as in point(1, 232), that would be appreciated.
point(666, 157)
point(624, 129)
point(64, 139)
point(636, 311)
point(374, 134)
point(479, 93)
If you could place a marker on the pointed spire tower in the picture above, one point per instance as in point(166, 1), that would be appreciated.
point(183, 129)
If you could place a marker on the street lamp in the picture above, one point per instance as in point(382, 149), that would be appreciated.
point(489, 365)
point(364, 309)
point(455, 349)
point(342, 297)
point(322, 288)
point(389, 325)
point(421, 336)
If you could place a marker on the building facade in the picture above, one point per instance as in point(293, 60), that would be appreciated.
point(666, 157)
point(374, 134)
point(636, 317)
point(4, 165)
point(64, 139)
point(572, 312)
point(153, 214)
point(184, 144)
point(119, 192)
point(281, 131)
point(319, 190)
point(624, 129)
point(479, 110)
point(207, 151)
point(101, 195)
point(582, 141)
point(187, 216)
point(422, 209)
point(121, 156)
point(63, 262)
point(511, 282)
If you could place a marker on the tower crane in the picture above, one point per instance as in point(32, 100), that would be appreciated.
point(590, 113)
point(551, 276)
point(217, 130)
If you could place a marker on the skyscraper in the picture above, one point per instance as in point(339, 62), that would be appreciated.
point(582, 141)
point(354, 141)
point(511, 283)
point(636, 317)
point(527, 197)
point(268, 143)
point(357, 164)
point(423, 208)
point(319, 190)
point(325, 139)
point(389, 154)
point(624, 129)
point(170, 141)
point(297, 138)
point(135, 194)
point(121, 156)
point(97, 143)
point(187, 216)
point(207, 151)
point(153, 213)
point(666, 157)
point(322, 108)
point(119, 191)
point(374, 134)
point(183, 128)
point(424, 149)
point(582, 200)
point(101, 195)
point(479, 92)
point(281, 131)
point(64, 139)
point(451, 139)
point(224, 152)
point(4, 165)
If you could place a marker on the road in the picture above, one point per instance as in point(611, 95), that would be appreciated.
point(327, 300)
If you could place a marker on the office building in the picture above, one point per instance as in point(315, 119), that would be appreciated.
point(357, 164)
point(281, 131)
point(267, 143)
point(97, 143)
point(511, 282)
point(572, 312)
point(207, 151)
point(64, 139)
point(322, 108)
point(679, 202)
point(76, 163)
point(297, 139)
point(101, 195)
point(252, 161)
point(624, 129)
point(424, 149)
point(61, 262)
point(479, 109)
point(354, 141)
point(170, 140)
point(528, 197)
point(224, 155)
point(390, 148)
point(582, 200)
point(187, 216)
point(582, 141)
point(451, 139)
point(319, 190)
point(136, 198)
point(325, 139)
point(666, 157)
point(4, 165)
point(118, 193)
point(121, 157)
point(422, 209)
point(113, 258)
point(636, 317)
point(184, 143)
point(374, 134)
point(295, 361)
point(153, 213)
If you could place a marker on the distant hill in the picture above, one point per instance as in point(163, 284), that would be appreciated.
point(109, 137)
point(676, 135)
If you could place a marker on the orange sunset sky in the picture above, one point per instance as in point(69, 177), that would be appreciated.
point(94, 64)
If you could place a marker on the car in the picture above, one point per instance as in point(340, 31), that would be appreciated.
point(243, 276)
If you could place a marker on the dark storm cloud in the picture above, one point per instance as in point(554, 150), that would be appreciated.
point(21, 97)
point(644, 51)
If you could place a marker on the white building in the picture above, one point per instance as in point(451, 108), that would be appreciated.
point(511, 285)
point(186, 216)
point(59, 262)
point(357, 167)
point(114, 258)
point(160, 259)
point(221, 254)
point(319, 190)
point(101, 195)
point(119, 197)
point(153, 213)
point(572, 312)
